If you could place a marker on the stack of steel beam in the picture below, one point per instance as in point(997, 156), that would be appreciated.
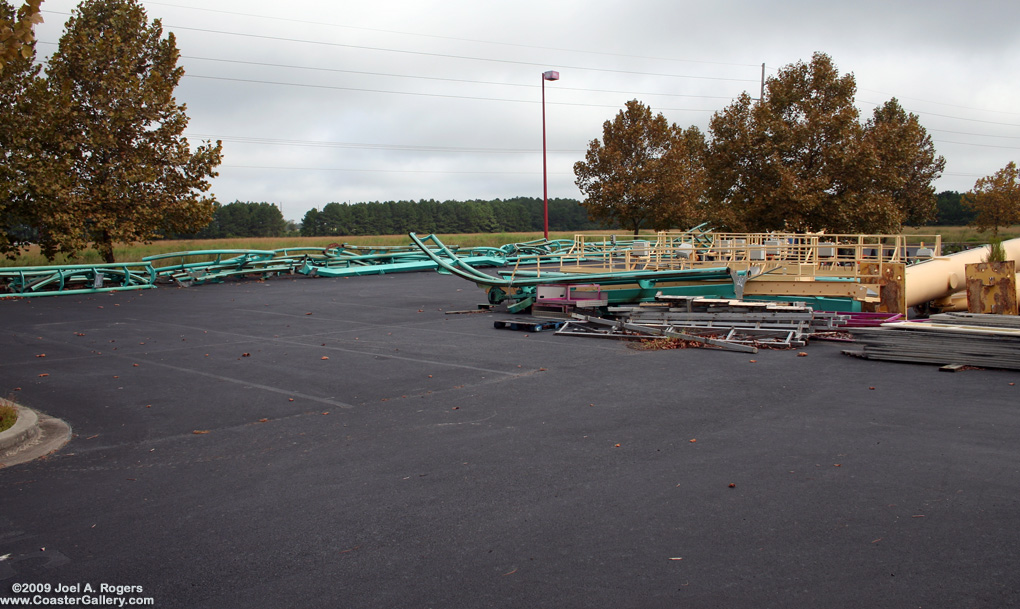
point(717, 322)
point(977, 319)
point(969, 344)
point(698, 312)
point(583, 325)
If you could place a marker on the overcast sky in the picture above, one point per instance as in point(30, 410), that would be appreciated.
point(390, 99)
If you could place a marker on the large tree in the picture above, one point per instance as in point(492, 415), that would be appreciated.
point(645, 173)
point(133, 175)
point(15, 83)
point(17, 38)
point(905, 167)
point(800, 159)
point(996, 199)
point(33, 155)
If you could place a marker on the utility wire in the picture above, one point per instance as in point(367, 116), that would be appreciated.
point(1005, 137)
point(972, 120)
point(421, 171)
point(771, 69)
point(441, 95)
point(461, 80)
point(448, 56)
point(364, 146)
point(436, 36)
point(441, 55)
point(978, 145)
point(1001, 124)
point(944, 104)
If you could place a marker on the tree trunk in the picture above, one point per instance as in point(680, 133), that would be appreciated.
point(106, 248)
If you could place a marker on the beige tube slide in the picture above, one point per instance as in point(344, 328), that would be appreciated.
point(944, 276)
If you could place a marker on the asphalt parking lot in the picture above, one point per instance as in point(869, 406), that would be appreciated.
point(346, 443)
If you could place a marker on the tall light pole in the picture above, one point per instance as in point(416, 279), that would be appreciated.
point(550, 75)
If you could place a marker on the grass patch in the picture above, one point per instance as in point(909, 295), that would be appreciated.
point(961, 234)
point(136, 251)
point(8, 416)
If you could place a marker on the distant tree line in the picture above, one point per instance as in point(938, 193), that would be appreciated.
point(952, 210)
point(520, 214)
point(243, 219)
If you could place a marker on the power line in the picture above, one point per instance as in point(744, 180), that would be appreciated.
point(421, 171)
point(441, 95)
point(972, 120)
point(916, 99)
point(441, 55)
point(448, 56)
point(523, 63)
point(958, 118)
point(436, 36)
point(365, 146)
point(1001, 124)
point(944, 104)
point(978, 145)
point(460, 80)
point(1005, 137)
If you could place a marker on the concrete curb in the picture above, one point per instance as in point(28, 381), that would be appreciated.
point(25, 429)
point(32, 436)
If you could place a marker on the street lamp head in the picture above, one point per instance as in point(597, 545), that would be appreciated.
point(550, 75)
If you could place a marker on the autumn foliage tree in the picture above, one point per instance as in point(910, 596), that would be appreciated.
point(14, 84)
point(16, 31)
point(800, 159)
point(904, 167)
point(25, 124)
point(783, 163)
point(131, 174)
point(644, 173)
point(996, 199)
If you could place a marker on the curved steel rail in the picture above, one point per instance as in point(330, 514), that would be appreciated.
point(457, 266)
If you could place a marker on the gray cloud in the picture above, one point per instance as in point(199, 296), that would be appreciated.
point(408, 100)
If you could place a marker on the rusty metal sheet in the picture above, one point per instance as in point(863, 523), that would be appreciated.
point(890, 279)
point(991, 287)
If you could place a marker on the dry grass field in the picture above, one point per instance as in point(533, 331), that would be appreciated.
point(136, 251)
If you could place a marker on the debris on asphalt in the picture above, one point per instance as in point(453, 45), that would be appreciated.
point(693, 321)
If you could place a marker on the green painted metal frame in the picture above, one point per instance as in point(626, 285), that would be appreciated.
point(23, 282)
point(520, 287)
point(424, 264)
point(458, 266)
point(238, 262)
